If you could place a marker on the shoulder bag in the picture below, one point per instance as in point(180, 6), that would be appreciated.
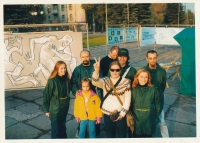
point(129, 115)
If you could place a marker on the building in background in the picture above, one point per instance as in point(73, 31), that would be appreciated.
point(64, 13)
point(55, 13)
point(75, 13)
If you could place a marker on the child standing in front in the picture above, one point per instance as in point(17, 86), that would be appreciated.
point(87, 109)
point(56, 99)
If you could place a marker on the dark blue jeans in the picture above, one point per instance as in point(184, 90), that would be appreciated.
point(58, 129)
point(112, 128)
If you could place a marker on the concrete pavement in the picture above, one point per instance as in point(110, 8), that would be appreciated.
point(25, 120)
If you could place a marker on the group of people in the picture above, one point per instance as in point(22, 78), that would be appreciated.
point(102, 87)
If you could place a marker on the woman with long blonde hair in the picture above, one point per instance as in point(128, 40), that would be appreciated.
point(146, 104)
point(56, 99)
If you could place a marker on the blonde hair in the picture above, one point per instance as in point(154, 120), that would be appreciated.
point(136, 82)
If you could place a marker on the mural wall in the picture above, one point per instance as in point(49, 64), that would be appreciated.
point(30, 58)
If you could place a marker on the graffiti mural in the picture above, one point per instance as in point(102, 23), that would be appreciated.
point(30, 58)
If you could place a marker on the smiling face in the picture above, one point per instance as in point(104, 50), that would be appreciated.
point(122, 60)
point(114, 71)
point(143, 78)
point(62, 70)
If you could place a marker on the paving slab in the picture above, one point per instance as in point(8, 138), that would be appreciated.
point(71, 128)
point(172, 90)
point(12, 102)
point(177, 129)
point(22, 131)
point(46, 136)
point(169, 98)
point(183, 110)
point(10, 121)
point(30, 95)
point(19, 116)
point(39, 101)
point(40, 122)
point(174, 83)
point(11, 93)
point(28, 108)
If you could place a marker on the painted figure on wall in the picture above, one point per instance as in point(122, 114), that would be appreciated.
point(41, 52)
point(52, 49)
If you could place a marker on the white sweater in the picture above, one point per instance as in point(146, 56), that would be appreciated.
point(111, 103)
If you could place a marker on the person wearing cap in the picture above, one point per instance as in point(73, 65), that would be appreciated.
point(127, 71)
point(105, 62)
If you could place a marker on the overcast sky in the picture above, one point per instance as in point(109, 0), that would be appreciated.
point(189, 6)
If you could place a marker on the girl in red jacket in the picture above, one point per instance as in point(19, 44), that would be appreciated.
point(87, 109)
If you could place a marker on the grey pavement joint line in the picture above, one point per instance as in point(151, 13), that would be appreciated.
point(191, 124)
point(19, 116)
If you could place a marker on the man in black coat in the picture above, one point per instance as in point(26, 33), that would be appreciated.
point(105, 62)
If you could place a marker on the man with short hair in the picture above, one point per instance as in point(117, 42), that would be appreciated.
point(85, 69)
point(105, 62)
point(127, 71)
point(158, 79)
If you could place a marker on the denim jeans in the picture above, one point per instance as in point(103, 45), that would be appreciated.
point(162, 124)
point(58, 129)
point(83, 127)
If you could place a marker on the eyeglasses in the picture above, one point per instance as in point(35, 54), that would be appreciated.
point(112, 70)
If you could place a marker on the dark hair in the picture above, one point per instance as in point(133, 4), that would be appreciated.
point(115, 63)
point(114, 48)
point(85, 79)
point(85, 51)
point(152, 52)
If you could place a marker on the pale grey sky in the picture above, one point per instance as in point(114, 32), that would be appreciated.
point(189, 6)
